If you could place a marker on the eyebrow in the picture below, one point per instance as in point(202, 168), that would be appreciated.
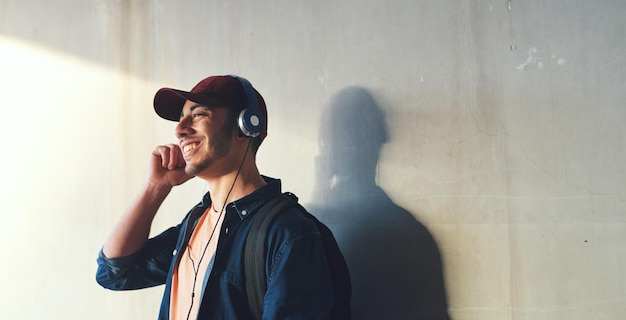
point(192, 108)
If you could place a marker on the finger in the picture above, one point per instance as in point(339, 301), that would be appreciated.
point(180, 160)
point(173, 157)
point(163, 153)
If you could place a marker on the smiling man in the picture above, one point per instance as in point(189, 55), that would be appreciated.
point(221, 123)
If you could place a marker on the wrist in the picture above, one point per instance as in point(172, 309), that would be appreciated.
point(157, 188)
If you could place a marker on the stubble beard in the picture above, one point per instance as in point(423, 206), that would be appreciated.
point(221, 143)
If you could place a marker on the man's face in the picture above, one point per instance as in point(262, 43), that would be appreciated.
point(205, 136)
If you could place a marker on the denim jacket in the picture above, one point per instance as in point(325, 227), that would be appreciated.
point(298, 280)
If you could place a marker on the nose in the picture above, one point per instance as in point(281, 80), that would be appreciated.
point(183, 128)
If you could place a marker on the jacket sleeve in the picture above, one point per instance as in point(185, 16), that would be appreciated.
point(147, 267)
point(299, 284)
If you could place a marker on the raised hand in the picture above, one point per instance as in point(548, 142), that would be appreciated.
point(167, 166)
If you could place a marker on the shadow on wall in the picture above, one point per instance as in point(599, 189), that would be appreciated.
point(394, 262)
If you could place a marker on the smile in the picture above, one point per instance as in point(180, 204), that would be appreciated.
point(189, 147)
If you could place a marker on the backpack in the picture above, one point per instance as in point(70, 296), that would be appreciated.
point(256, 248)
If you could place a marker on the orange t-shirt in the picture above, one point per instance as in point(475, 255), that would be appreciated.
point(193, 265)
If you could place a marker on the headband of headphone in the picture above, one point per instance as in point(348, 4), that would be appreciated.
point(250, 120)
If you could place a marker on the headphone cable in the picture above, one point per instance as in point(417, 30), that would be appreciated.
point(196, 271)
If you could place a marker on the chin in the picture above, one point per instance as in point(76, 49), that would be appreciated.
point(191, 170)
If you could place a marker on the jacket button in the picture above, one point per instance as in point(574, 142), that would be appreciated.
point(244, 212)
point(175, 251)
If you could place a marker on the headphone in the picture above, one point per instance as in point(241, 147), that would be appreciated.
point(250, 120)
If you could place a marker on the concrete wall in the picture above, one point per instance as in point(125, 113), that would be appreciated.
point(476, 146)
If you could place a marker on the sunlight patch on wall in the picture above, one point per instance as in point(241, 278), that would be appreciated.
point(62, 166)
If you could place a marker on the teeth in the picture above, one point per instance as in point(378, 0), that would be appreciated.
point(189, 147)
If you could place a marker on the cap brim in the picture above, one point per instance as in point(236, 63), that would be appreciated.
point(168, 102)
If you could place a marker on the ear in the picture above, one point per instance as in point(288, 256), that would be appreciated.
point(240, 135)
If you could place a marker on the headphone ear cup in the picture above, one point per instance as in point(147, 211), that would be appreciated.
point(249, 123)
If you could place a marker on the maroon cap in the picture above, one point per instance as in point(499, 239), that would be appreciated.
point(214, 91)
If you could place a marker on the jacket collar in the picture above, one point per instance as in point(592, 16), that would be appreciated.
point(247, 205)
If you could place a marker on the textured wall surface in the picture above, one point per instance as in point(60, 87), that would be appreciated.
point(469, 155)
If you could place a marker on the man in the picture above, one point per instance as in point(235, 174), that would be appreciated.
point(221, 123)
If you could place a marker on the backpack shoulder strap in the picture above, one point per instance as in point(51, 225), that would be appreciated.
point(255, 250)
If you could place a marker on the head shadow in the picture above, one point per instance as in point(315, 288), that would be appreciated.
point(394, 262)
